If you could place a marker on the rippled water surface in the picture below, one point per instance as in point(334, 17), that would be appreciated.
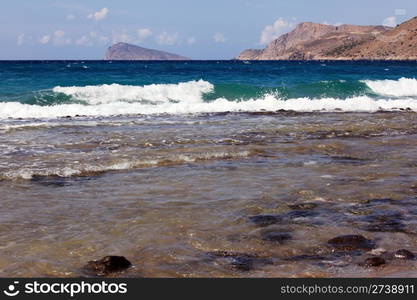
point(228, 193)
point(166, 192)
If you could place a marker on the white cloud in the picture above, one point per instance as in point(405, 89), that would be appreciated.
point(167, 39)
point(191, 41)
point(21, 39)
point(143, 34)
point(390, 21)
point(121, 38)
point(92, 38)
point(45, 39)
point(84, 41)
point(103, 39)
point(70, 17)
point(272, 32)
point(59, 33)
point(60, 39)
point(99, 15)
point(219, 38)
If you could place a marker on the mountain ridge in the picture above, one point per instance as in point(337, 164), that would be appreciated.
point(313, 41)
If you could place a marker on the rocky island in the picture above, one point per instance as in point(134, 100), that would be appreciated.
point(312, 41)
point(124, 51)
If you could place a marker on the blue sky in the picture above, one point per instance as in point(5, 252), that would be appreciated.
point(215, 29)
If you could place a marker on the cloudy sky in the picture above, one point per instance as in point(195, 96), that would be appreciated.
point(215, 29)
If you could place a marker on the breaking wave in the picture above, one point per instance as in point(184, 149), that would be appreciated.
point(191, 91)
point(403, 87)
point(189, 98)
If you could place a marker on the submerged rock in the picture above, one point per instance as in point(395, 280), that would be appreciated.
point(404, 254)
point(301, 214)
point(241, 261)
point(108, 265)
point(348, 160)
point(351, 242)
point(265, 220)
point(306, 257)
point(388, 222)
point(374, 262)
point(276, 237)
point(303, 206)
point(387, 226)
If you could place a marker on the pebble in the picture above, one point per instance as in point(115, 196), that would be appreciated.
point(276, 237)
point(107, 265)
point(374, 262)
point(265, 220)
point(404, 254)
point(351, 242)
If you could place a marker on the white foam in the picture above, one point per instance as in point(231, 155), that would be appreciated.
point(86, 169)
point(403, 87)
point(268, 103)
point(186, 98)
point(191, 91)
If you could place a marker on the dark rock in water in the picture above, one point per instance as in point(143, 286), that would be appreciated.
point(265, 220)
point(351, 242)
point(58, 181)
point(388, 226)
point(304, 257)
point(348, 160)
point(303, 206)
point(385, 222)
point(377, 201)
point(241, 261)
point(301, 214)
point(404, 254)
point(55, 181)
point(276, 237)
point(338, 254)
point(374, 262)
point(108, 265)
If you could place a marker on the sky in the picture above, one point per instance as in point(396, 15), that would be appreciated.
point(215, 29)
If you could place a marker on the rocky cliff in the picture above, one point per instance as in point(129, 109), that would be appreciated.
point(124, 51)
point(399, 43)
point(311, 41)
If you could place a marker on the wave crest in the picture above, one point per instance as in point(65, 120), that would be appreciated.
point(191, 91)
point(187, 98)
point(403, 87)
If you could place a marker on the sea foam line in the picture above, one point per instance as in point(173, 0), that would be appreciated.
point(88, 170)
point(187, 98)
point(268, 103)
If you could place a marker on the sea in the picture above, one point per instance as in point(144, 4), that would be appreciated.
point(208, 168)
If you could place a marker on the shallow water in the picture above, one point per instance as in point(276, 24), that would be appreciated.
point(206, 169)
point(167, 191)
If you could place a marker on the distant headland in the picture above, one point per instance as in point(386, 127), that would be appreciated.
point(124, 51)
point(312, 41)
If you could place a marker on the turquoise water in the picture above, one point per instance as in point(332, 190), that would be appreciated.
point(33, 82)
point(196, 169)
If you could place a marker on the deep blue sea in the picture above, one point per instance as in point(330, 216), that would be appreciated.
point(103, 88)
point(208, 169)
